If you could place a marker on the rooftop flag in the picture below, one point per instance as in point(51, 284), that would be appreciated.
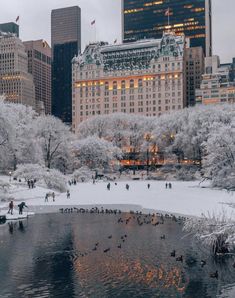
point(167, 12)
point(17, 19)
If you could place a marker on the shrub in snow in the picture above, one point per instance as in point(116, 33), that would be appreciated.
point(187, 173)
point(52, 178)
point(214, 232)
point(30, 172)
point(83, 174)
point(4, 186)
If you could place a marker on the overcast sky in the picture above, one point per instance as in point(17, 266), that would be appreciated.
point(35, 21)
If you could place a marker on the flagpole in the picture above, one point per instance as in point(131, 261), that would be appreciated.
point(169, 17)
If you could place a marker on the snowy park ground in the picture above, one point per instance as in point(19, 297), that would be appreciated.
point(186, 198)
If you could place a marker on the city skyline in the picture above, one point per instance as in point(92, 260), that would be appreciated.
point(107, 15)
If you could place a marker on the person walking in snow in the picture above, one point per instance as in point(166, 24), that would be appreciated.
point(21, 207)
point(148, 186)
point(127, 186)
point(68, 194)
point(53, 197)
point(166, 185)
point(11, 206)
point(108, 186)
point(46, 197)
point(170, 185)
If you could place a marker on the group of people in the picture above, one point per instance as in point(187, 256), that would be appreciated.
point(21, 207)
point(109, 186)
point(50, 194)
point(72, 182)
point(168, 185)
point(31, 183)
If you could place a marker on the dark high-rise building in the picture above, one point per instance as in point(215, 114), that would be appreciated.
point(148, 19)
point(10, 28)
point(66, 43)
point(39, 65)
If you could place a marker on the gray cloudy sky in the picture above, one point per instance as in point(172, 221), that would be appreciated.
point(35, 20)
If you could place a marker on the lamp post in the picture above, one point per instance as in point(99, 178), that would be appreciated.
point(148, 138)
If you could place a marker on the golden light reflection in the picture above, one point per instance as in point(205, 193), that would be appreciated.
point(132, 272)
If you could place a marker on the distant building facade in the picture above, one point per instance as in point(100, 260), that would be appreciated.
point(216, 86)
point(145, 78)
point(194, 58)
point(39, 65)
point(10, 28)
point(145, 19)
point(66, 43)
point(16, 83)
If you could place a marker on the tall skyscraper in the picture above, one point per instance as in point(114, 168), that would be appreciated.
point(39, 65)
point(66, 43)
point(16, 83)
point(145, 19)
point(10, 28)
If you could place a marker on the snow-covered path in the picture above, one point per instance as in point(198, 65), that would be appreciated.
point(184, 197)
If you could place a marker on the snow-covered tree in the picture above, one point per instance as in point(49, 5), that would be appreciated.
point(214, 232)
point(219, 161)
point(94, 152)
point(54, 137)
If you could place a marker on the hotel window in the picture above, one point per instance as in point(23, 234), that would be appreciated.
point(132, 84)
point(106, 86)
point(140, 83)
point(115, 88)
point(123, 85)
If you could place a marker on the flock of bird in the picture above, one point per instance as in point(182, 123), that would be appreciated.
point(141, 219)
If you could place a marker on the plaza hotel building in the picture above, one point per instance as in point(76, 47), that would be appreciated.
point(146, 77)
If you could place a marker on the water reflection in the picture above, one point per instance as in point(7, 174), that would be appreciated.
point(54, 256)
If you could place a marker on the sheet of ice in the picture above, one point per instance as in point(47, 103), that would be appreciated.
point(184, 198)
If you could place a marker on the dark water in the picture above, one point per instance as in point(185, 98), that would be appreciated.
point(52, 256)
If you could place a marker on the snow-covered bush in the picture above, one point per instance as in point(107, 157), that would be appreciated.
point(187, 174)
point(216, 232)
point(52, 178)
point(30, 172)
point(83, 174)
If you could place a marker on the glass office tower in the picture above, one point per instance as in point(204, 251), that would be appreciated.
point(66, 43)
point(148, 19)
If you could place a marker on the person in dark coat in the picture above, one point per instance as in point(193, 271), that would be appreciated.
point(127, 186)
point(21, 207)
point(108, 186)
point(11, 206)
point(148, 186)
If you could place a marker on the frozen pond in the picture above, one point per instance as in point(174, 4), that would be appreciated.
point(62, 255)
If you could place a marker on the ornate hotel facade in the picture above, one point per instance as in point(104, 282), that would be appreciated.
point(145, 77)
